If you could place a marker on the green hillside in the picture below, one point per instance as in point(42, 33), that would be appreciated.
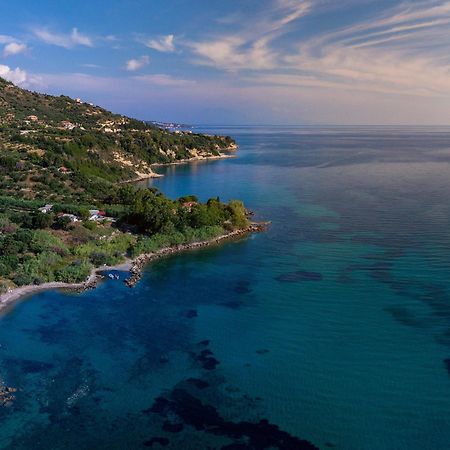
point(58, 148)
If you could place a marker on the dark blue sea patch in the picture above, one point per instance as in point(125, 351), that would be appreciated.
point(232, 304)
point(198, 383)
point(29, 366)
point(262, 351)
point(299, 275)
point(207, 360)
point(191, 313)
point(242, 287)
point(405, 317)
point(447, 365)
point(157, 440)
point(180, 405)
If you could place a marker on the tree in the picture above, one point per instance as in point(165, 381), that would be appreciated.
point(237, 214)
point(63, 223)
point(41, 220)
point(151, 211)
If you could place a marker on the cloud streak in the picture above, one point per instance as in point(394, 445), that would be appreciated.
point(164, 44)
point(402, 50)
point(14, 48)
point(165, 80)
point(250, 48)
point(65, 40)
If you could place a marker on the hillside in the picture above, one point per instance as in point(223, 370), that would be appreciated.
point(58, 148)
point(64, 206)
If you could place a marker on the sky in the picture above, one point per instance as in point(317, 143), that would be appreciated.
point(237, 61)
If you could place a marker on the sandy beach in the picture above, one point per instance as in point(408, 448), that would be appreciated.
point(94, 278)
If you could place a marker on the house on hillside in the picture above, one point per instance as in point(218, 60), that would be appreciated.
point(33, 118)
point(66, 125)
point(46, 209)
point(72, 217)
point(98, 215)
point(64, 170)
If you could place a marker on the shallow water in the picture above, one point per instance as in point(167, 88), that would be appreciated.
point(333, 325)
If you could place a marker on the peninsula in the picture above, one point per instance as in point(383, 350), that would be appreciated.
point(67, 208)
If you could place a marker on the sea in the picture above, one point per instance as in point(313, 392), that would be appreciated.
point(330, 330)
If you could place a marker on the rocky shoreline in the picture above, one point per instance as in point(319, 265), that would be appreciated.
point(139, 263)
point(135, 267)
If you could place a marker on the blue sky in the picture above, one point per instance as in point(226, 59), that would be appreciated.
point(237, 61)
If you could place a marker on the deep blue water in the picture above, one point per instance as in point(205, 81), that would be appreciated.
point(333, 325)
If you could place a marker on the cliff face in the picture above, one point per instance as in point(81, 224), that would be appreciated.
point(54, 144)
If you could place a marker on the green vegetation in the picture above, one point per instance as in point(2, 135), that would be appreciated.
point(37, 247)
point(72, 155)
point(59, 149)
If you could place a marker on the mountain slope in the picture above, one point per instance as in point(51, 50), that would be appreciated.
point(59, 148)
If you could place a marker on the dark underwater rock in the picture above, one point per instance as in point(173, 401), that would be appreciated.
point(207, 361)
point(199, 384)
point(299, 275)
point(262, 351)
point(193, 412)
point(232, 304)
point(447, 365)
point(242, 287)
point(171, 427)
point(30, 366)
point(191, 313)
point(157, 440)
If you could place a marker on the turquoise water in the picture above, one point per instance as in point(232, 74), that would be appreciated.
point(334, 325)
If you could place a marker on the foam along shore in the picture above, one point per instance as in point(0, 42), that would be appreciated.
point(134, 266)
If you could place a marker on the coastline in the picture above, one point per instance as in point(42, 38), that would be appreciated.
point(134, 266)
point(195, 159)
point(143, 177)
point(138, 263)
point(21, 292)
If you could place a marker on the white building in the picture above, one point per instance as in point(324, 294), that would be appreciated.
point(46, 209)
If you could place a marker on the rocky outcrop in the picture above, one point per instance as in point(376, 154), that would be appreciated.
point(6, 395)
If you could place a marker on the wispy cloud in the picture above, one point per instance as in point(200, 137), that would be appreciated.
point(5, 39)
point(14, 48)
point(136, 64)
point(91, 65)
point(249, 47)
point(163, 44)
point(65, 40)
point(397, 52)
point(404, 49)
point(165, 80)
